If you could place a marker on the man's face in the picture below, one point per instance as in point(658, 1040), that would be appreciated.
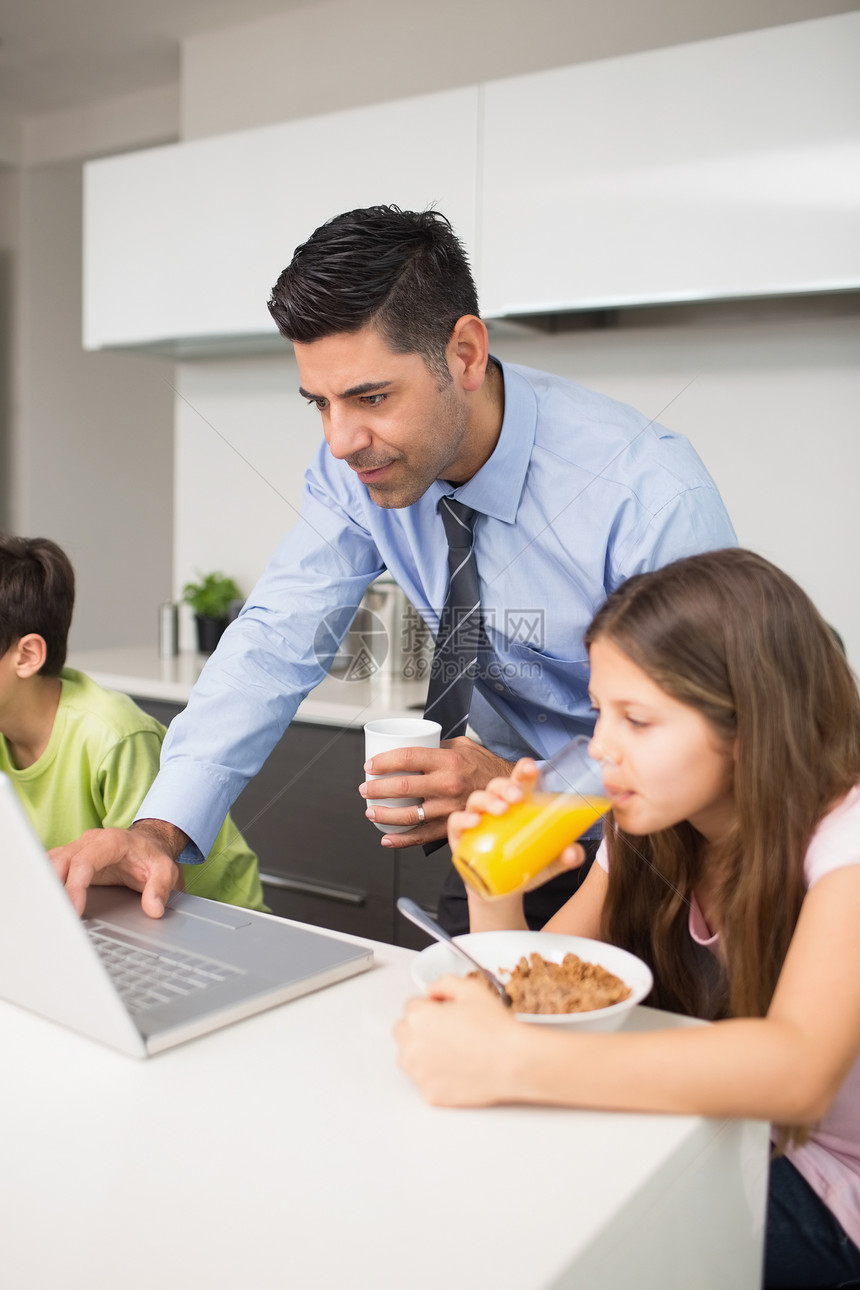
point(385, 415)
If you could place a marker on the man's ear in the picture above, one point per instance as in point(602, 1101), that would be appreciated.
point(468, 351)
point(32, 652)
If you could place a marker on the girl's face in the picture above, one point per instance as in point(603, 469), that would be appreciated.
point(668, 762)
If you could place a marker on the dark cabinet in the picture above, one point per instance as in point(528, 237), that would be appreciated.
point(321, 861)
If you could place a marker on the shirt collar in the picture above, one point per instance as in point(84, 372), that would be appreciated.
point(498, 486)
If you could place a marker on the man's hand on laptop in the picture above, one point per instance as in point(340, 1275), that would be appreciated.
point(142, 857)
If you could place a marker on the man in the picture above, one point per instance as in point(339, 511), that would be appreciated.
point(568, 493)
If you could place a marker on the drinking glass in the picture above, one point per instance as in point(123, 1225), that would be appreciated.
point(505, 852)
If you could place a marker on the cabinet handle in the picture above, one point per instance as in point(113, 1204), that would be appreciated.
point(343, 895)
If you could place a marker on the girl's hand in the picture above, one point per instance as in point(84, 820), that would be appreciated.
point(495, 800)
point(455, 1044)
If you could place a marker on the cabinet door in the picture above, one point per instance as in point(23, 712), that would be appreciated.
point(186, 241)
point(320, 858)
point(709, 170)
point(420, 877)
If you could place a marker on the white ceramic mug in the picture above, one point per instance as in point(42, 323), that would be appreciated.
point(398, 732)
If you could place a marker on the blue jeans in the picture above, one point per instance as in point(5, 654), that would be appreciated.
point(805, 1245)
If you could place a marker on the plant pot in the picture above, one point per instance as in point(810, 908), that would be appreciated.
point(209, 632)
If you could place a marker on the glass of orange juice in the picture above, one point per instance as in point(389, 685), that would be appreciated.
point(505, 852)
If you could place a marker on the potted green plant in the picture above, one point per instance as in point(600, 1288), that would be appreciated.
point(210, 599)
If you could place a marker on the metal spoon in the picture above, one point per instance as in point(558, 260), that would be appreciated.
point(417, 915)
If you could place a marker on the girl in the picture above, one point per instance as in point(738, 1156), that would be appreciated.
point(729, 725)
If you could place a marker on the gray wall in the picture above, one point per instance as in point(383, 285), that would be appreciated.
point(92, 434)
point(9, 191)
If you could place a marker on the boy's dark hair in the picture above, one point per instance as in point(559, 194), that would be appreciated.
point(404, 272)
point(37, 594)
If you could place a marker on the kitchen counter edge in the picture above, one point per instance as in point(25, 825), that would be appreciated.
point(337, 701)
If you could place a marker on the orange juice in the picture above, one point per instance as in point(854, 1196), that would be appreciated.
point(504, 852)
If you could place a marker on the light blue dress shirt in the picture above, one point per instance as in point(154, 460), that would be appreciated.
point(580, 493)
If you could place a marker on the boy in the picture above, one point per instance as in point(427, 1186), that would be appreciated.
point(81, 757)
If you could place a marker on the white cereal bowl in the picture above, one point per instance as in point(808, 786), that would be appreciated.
point(501, 951)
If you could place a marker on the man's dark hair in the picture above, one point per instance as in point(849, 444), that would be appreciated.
point(403, 272)
point(37, 594)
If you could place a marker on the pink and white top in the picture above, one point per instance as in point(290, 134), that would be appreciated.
point(830, 1160)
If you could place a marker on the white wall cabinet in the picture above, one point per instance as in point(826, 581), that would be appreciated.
point(185, 242)
point(724, 168)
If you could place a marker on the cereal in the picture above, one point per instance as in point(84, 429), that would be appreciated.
point(537, 985)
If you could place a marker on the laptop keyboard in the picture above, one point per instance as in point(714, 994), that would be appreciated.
point(146, 977)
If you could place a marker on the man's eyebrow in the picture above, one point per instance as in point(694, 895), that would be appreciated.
point(368, 387)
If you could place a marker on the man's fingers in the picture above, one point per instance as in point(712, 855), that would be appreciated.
point(410, 759)
point(59, 858)
point(160, 882)
point(151, 900)
point(78, 879)
point(450, 772)
point(432, 831)
point(410, 816)
point(108, 856)
point(394, 785)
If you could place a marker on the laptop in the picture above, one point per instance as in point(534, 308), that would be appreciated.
point(141, 984)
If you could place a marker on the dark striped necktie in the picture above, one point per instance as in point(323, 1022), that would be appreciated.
point(461, 632)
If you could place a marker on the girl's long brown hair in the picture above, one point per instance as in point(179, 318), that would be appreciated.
point(735, 638)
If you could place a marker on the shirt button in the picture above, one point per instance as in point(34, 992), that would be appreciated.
point(541, 716)
point(500, 687)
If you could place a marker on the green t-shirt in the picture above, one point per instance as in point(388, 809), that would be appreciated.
point(98, 766)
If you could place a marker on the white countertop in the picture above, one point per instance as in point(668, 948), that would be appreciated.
point(288, 1150)
point(138, 670)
